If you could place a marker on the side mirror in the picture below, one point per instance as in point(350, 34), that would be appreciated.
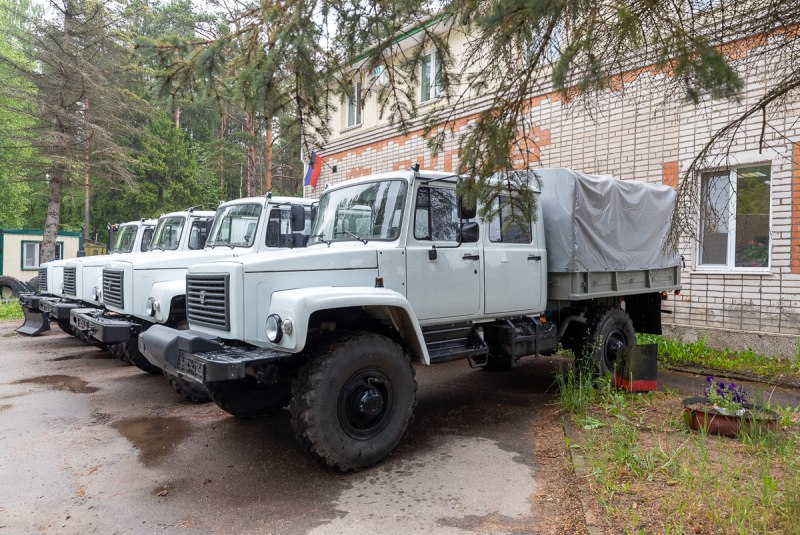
point(466, 212)
point(209, 224)
point(469, 232)
point(298, 216)
point(313, 213)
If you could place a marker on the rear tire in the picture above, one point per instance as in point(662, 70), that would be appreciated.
point(194, 392)
point(247, 398)
point(608, 331)
point(354, 400)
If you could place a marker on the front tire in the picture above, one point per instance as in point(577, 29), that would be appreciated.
point(129, 352)
point(194, 392)
point(247, 398)
point(66, 326)
point(353, 401)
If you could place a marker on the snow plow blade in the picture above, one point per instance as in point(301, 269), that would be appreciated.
point(35, 323)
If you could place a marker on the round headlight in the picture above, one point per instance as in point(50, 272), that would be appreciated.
point(152, 306)
point(274, 333)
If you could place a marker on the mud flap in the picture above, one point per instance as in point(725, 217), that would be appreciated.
point(35, 323)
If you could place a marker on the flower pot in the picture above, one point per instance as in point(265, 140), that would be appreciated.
point(701, 415)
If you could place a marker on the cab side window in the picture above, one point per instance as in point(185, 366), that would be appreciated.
point(507, 229)
point(436, 215)
point(147, 236)
point(197, 234)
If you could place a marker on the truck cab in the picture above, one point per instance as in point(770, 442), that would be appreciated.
point(397, 269)
point(145, 290)
point(127, 238)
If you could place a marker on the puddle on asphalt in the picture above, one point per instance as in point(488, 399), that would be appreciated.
point(87, 355)
point(153, 437)
point(60, 382)
point(66, 357)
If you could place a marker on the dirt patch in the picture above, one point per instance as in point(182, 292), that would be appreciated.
point(558, 495)
point(60, 382)
point(154, 437)
point(5, 406)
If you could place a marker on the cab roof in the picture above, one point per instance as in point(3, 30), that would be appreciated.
point(272, 200)
point(408, 176)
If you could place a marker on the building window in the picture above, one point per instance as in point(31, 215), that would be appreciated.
point(735, 218)
point(354, 106)
point(429, 74)
point(30, 253)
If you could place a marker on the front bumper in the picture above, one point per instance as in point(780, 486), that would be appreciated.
point(200, 357)
point(30, 301)
point(104, 329)
point(57, 309)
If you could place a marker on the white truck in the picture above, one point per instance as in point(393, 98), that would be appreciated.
point(127, 238)
point(398, 270)
point(145, 290)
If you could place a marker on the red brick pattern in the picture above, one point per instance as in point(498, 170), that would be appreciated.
point(795, 237)
point(669, 175)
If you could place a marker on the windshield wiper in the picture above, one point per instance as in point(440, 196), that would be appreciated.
point(356, 236)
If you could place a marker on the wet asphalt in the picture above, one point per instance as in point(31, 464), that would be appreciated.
point(90, 445)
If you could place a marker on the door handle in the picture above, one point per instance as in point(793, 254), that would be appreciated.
point(470, 256)
point(534, 257)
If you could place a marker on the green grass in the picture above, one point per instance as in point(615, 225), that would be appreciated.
point(10, 311)
point(672, 352)
point(650, 474)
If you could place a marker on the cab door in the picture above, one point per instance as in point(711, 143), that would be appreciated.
point(515, 264)
point(444, 278)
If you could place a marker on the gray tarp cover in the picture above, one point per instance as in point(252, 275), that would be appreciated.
point(595, 223)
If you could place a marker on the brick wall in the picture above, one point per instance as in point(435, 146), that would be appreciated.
point(639, 132)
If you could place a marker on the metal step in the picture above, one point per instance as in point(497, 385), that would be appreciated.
point(455, 342)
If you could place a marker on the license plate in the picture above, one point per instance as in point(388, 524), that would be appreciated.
point(191, 368)
point(82, 323)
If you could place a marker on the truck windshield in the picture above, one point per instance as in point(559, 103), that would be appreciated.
point(168, 233)
point(235, 225)
point(369, 211)
point(123, 241)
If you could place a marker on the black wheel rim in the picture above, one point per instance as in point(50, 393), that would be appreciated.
point(613, 344)
point(365, 404)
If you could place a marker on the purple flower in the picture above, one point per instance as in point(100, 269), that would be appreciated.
point(710, 379)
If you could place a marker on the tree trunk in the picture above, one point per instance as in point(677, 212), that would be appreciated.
point(251, 153)
point(50, 234)
point(86, 140)
point(222, 127)
point(268, 155)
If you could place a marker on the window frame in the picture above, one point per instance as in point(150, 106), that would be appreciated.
point(353, 107)
point(730, 261)
point(37, 248)
point(434, 91)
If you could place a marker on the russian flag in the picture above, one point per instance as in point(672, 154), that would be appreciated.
point(314, 167)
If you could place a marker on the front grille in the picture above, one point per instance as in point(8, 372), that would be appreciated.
point(112, 288)
point(43, 279)
point(69, 281)
point(207, 300)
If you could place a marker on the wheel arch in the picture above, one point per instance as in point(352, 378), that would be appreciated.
point(323, 310)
